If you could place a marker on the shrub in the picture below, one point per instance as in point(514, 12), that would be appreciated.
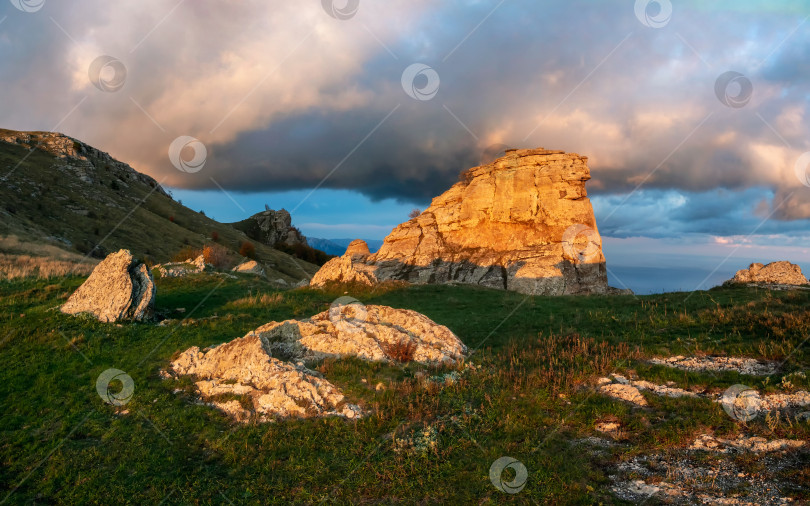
point(186, 253)
point(171, 218)
point(401, 351)
point(214, 236)
point(216, 255)
point(247, 250)
point(414, 213)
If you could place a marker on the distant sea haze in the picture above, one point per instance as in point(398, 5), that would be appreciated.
point(647, 280)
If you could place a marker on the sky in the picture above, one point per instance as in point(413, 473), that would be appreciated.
point(350, 113)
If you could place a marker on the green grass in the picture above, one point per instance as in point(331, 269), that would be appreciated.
point(529, 396)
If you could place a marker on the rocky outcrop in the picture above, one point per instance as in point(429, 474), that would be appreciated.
point(251, 267)
point(182, 269)
point(265, 368)
point(272, 228)
point(523, 223)
point(78, 159)
point(349, 328)
point(775, 273)
point(270, 387)
point(119, 288)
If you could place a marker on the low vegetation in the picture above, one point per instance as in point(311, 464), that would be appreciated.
point(431, 433)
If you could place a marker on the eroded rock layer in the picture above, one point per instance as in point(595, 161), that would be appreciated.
point(522, 223)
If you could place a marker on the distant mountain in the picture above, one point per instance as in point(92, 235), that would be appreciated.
point(338, 246)
point(56, 190)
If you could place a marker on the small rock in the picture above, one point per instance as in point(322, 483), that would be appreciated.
point(249, 267)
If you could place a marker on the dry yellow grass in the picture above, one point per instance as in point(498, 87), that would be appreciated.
point(24, 266)
point(23, 259)
point(265, 299)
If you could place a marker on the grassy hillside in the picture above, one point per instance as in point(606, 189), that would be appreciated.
point(89, 203)
point(526, 392)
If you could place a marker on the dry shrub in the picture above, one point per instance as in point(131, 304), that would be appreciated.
point(186, 253)
point(247, 250)
point(216, 255)
point(401, 351)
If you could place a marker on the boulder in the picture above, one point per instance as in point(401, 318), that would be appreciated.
point(265, 368)
point(775, 273)
point(357, 247)
point(249, 267)
point(270, 387)
point(368, 332)
point(522, 223)
point(181, 269)
point(119, 288)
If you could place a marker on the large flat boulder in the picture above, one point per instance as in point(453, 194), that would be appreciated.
point(369, 332)
point(266, 368)
point(522, 223)
point(119, 288)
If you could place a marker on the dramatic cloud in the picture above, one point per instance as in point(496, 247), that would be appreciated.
point(285, 96)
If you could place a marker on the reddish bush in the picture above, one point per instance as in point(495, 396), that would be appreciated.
point(216, 255)
point(402, 351)
point(215, 236)
point(248, 250)
point(414, 213)
point(171, 218)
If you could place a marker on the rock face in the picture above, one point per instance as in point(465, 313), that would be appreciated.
point(250, 267)
point(775, 273)
point(368, 332)
point(272, 228)
point(244, 367)
point(522, 223)
point(181, 269)
point(119, 288)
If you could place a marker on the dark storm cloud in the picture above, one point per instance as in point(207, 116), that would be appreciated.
point(286, 97)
